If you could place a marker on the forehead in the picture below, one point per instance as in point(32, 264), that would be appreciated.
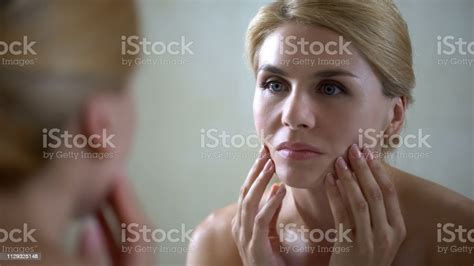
point(305, 49)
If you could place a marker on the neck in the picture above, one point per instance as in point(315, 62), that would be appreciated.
point(312, 204)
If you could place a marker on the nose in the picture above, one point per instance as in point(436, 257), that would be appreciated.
point(297, 112)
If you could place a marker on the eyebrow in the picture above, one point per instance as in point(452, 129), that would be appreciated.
point(328, 73)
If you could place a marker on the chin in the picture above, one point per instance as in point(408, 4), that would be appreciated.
point(300, 178)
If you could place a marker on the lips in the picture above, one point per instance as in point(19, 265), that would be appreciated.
point(297, 151)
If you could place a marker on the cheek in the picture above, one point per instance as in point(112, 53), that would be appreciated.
point(258, 111)
point(356, 122)
point(341, 126)
point(264, 115)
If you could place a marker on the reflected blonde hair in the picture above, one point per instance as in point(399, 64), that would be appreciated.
point(376, 28)
point(78, 53)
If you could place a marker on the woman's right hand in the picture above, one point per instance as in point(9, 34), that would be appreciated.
point(254, 226)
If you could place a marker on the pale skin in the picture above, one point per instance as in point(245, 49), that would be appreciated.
point(68, 190)
point(393, 214)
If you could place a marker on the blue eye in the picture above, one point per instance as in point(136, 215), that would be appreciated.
point(331, 89)
point(274, 86)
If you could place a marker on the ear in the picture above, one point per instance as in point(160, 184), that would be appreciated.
point(98, 122)
point(396, 116)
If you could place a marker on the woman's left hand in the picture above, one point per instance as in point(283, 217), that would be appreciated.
point(372, 211)
point(102, 243)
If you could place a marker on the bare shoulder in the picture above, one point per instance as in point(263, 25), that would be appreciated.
point(432, 212)
point(212, 242)
point(419, 195)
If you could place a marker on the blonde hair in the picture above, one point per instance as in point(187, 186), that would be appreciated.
point(376, 28)
point(77, 52)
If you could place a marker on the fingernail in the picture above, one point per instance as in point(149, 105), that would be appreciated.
point(355, 151)
point(92, 234)
point(260, 153)
point(264, 153)
point(330, 179)
point(368, 153)
point(274, 188)
point(268, 166)
point(341, 163)
point(281, 190)
point(273, 191)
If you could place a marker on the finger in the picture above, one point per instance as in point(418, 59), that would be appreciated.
point(261, 227)
point(338, 209)
point(252, 175)
point(126, 208)
point(272, 228)
point(273, 191)
point(257, 167)
point(110, 239)
point(345, 200)
point(370, 188)
point(392, 205)
point(125, 204)
point(91, 243)
point(252, 200)
point(357, 202)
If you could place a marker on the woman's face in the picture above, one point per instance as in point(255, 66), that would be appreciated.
point(120, 114)
point(309, 104)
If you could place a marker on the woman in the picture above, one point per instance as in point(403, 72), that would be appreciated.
point(327, 71)
point(66, 86)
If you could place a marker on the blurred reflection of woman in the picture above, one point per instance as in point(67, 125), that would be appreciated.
point(69, 79)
